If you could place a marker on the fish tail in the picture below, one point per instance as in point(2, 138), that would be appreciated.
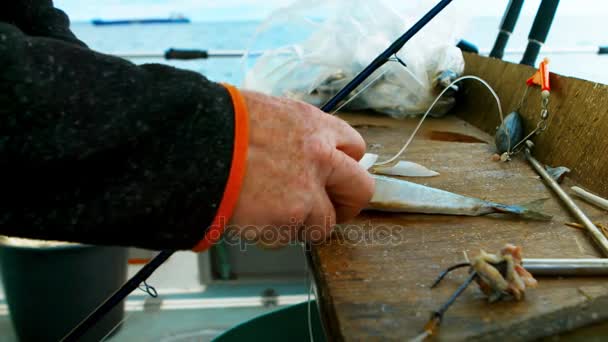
point(531, 210)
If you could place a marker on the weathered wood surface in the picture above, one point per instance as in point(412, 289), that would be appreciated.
point(577, 135)
point(378, 288)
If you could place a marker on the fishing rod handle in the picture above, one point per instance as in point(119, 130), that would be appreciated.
point(540, 30)
point(506, 28)
point(186, 54)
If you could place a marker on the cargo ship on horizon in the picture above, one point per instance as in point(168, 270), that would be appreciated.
point(174, 19)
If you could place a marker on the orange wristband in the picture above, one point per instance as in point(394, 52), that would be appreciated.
point(236, 175)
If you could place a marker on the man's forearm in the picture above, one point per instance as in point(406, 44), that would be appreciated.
point(99, 150)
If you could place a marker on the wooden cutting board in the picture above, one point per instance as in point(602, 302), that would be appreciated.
point(377, 287)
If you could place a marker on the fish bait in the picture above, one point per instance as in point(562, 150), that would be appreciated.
point(406, 169)
point(502, 274)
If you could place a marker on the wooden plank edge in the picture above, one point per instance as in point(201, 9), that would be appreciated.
point(552, 323)
point(325, 303)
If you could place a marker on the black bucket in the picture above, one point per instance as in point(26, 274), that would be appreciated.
point(50, 289)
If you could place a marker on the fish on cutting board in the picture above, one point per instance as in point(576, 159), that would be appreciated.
point(397, 195)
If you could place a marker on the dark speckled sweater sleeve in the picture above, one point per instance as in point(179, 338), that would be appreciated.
point(95, 149)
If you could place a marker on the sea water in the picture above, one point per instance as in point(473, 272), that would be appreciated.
point(567, 32)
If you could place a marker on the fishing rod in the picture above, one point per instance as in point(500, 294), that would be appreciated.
point(540, 30)
point(117, 297)
point(506, 27)
point(384, 56)
point(149, 268)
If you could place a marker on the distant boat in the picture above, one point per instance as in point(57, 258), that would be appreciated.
point(176, 19)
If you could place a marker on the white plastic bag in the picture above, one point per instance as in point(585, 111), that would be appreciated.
point(336, 39)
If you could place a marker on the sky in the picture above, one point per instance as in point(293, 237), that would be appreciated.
point(222, 10)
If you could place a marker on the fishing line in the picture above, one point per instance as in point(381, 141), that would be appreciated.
point(308, 309)
point(538, 128)
point(359, 92)
point(407, 143)
point(523, 99)
point(145, 287)
point(116, 327)
point(396, 59)
point(309, 287)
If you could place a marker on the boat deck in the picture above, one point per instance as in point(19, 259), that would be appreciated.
point(379, 288)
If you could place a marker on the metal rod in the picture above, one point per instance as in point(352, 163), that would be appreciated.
point(506, 27)
point(384, 56)
point(596, 234)
point(136, 54)
point(187, 54)
point(591, 198)
point(540, 30)
point(567, 267)
point(117, 297)
point(599, 50)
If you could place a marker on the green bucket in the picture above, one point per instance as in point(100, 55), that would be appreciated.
point(50, 289)
point(287, 324)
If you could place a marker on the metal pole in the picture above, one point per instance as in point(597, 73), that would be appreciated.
point(599, 50)
point(596, 234)
point(188, 54)
point(540, 30)
point(506, 28)
point(567, 267)
point(591, 198)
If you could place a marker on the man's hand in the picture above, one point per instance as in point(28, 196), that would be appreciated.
point(302, 174)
